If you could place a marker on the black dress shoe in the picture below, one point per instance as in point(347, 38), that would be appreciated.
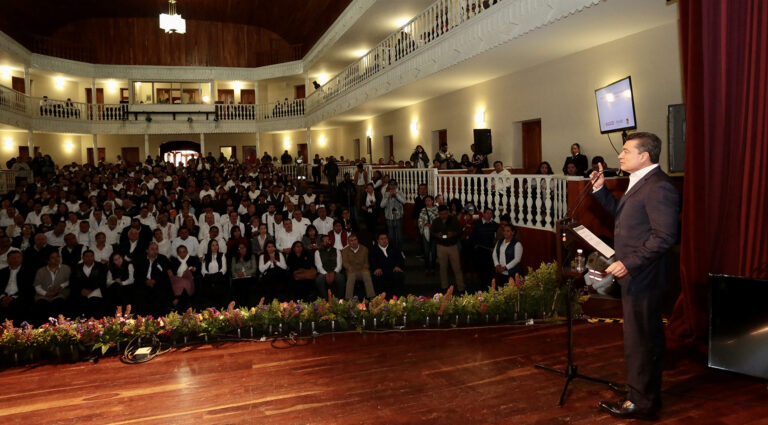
point(620, 389)
point(625, 409)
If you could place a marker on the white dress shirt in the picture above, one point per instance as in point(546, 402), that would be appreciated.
point(323, 226)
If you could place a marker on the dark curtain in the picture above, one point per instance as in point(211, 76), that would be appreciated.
point(725, 198)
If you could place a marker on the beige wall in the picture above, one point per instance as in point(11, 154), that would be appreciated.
point(560, 93)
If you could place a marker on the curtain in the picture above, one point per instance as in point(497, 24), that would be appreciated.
point(725, 197)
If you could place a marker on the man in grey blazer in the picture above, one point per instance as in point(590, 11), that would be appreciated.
point(645, 228)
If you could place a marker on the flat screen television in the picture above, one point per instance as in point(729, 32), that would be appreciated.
point(616, 106)
point(738, 325)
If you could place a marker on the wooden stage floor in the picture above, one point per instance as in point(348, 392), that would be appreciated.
point(464, 376)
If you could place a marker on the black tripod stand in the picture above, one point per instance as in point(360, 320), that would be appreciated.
point(571, 371)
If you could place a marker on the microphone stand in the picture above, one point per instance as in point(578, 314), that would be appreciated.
point(566, 278)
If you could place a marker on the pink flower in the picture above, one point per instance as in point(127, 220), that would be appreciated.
point(361, 306)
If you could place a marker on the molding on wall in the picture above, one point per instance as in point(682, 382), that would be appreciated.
point(340, 26)
point(14, 49)
point(508, 21)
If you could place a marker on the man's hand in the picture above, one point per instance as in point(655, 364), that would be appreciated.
point(329, 277)
point(85, 292)
point(397, 269)
point(150, 283)
point(598, 178)
point(5, 301)
point(378, 272)
point(499, 269)
point(617, 269)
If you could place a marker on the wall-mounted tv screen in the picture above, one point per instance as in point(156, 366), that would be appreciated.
point(738, 325)
point(616, 106)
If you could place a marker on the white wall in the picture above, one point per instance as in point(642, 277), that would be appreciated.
point(560, 93)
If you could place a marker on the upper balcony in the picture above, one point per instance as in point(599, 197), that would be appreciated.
point(52, 115)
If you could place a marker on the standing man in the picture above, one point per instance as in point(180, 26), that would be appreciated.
point(645, 229)
point(445, 232)
point(392, 204)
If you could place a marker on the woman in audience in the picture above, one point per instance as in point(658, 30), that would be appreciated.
point(244, 272)
point(260, 239)
point(102, 252)
point(301, 266)
point(419, 158)
point(235, 238)
point(120, 287)
point(163, 244)
point(507, 254)
point(426, 217)
point(183, 269)
point(311, 240)
point(214, 287)
point(273, 269)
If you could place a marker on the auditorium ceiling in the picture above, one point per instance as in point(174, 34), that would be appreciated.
point(236, 33)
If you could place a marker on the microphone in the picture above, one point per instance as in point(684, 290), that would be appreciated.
point(612, 170)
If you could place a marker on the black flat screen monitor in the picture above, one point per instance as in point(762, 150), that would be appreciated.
point(616, 106)
point(738, 325)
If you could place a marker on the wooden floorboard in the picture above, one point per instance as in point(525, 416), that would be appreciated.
point(464, 376)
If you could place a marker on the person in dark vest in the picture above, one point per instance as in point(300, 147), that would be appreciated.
point(328, 263)
point(387, 266)
point(507, 254)
point(121, 286)
point(577, 159)
point(71, 252)
point(153, 287)
point(16, 291)
point(484, 237)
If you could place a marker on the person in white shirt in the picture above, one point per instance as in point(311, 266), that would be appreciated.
point(72, 225)
point(503, 178)
point(85, 236)
point(34, 216)
point(300, 223)
point(51, 207)
point(11, 306)
point(287, 237)
point(323, 223)
point(5, 248)
point(111, 230)
point(309, 197)
point(146, 219)
point(56, 236)
point(268, 218)
point(507, 255)
point(101, 249)
point(193, 246)
point(208, 210)
point(292, 195)
point(97, 219)
point(207, 191)
point(163, 244)
point(232, 222)
point(328, 263)
point(213, 235)
point(272, 267)
point(122, 220)
point(169, 229)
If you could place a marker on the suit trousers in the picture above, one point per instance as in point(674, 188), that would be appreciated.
point(353, 277)
point(450, 255)
point(643, 345)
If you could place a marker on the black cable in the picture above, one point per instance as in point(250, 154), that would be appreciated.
point(611, 141)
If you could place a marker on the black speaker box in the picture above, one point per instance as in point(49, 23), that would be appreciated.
point(483, 144)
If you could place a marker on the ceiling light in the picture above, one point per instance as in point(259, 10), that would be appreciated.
point(172, 22)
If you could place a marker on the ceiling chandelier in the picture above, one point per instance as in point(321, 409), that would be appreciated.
point(172, 22)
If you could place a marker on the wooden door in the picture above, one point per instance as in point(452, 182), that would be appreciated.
point(102, 153)
point(99, 96)
point(300, 92)
point(356, 144)
point(302, 150)
point(17, 84)
point(250, 154)
point(248, 96)
point(531, 145)
point(227, 96)
point(390, 142)
point(442, 138)
point(130, 155)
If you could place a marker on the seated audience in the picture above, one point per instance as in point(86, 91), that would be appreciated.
point(302, 269)
point(273, 272)
point(89, 287)
point(356, 262)
point(387, 266)
point(214, 286)
point(244, 273)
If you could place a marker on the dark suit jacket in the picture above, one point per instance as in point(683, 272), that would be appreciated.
point(386, 263)
point(34, 259)
point(645, 228)
point(96, 280)
point(580, 161)
point(24, 281)
point(159, 271)
point(139, 252)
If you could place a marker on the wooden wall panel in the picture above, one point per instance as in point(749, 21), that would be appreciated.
point(140, 41)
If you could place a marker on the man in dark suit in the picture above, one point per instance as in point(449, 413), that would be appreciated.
point(89, 286)
point(387, 264)
point(153, 287)
point(577, 159)
point(645, 228)
point(132, 247)
point(16, 291)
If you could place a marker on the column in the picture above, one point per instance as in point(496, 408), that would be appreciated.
point(93, 115)
point(27, 88)
point(202, 145)
point(95, 142)
point(146, 144)
point(31, 143)
point(257, 143)
point(308, 160)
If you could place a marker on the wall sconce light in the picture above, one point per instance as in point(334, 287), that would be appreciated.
point(8, 143)
point(480, 118)
point(6, 72)
point(237, 85)
point(321, 140)
point(206, 99)
point(112, 85)
point(368, 133)
point(287, 143)
point(414, 127)
point(68, 146)
point(59, 81)
point(322, 79)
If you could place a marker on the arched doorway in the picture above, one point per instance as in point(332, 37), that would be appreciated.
point(179, 152)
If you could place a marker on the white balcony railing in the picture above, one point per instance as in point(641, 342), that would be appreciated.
point(438, 19)
point(14, 101)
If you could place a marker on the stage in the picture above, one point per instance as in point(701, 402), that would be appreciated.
point(463, 376)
